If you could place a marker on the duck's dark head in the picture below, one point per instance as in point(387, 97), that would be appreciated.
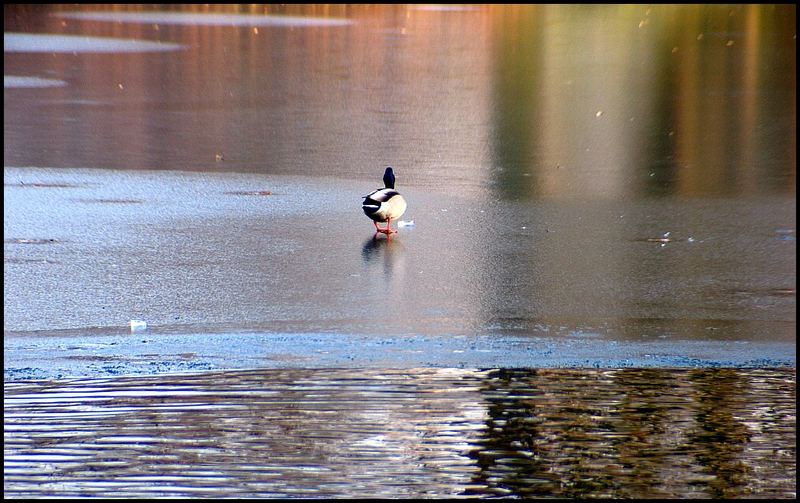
point(388, 178)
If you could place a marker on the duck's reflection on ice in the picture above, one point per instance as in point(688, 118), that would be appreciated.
point(387, 251)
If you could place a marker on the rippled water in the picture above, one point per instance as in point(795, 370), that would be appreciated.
point(628, 433)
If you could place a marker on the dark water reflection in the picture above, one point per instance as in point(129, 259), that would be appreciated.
point(417, 432)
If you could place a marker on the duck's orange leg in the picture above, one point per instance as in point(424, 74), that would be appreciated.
point(388, 230)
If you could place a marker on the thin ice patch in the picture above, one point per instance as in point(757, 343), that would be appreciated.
point(18, 81)
point(30, 42)
point(182, 18)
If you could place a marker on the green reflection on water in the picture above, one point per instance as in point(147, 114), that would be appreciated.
point(656, 100)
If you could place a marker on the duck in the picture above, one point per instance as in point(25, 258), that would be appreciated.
point(384, 204)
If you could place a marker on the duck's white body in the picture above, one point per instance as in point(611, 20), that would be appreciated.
point(384, 205)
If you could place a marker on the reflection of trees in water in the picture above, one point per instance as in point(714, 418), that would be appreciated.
point(508, 454)
point(619, 433)
point(632, 433)
point(546, 435)
point(719, 434)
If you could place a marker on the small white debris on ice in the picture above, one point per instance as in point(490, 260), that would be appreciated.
point(137, 325)
point(405, 223)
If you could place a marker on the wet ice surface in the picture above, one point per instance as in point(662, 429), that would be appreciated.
point(416, 432)
point(244, 271)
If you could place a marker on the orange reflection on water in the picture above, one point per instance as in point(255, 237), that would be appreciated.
point(559, 100)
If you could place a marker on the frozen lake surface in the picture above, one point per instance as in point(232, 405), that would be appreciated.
point(236, 269)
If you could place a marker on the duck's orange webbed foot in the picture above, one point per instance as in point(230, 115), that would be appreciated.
point(388, 230)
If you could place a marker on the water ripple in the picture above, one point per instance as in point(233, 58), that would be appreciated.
point(405, 433)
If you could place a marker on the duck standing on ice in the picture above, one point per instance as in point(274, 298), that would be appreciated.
point(384, 205)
